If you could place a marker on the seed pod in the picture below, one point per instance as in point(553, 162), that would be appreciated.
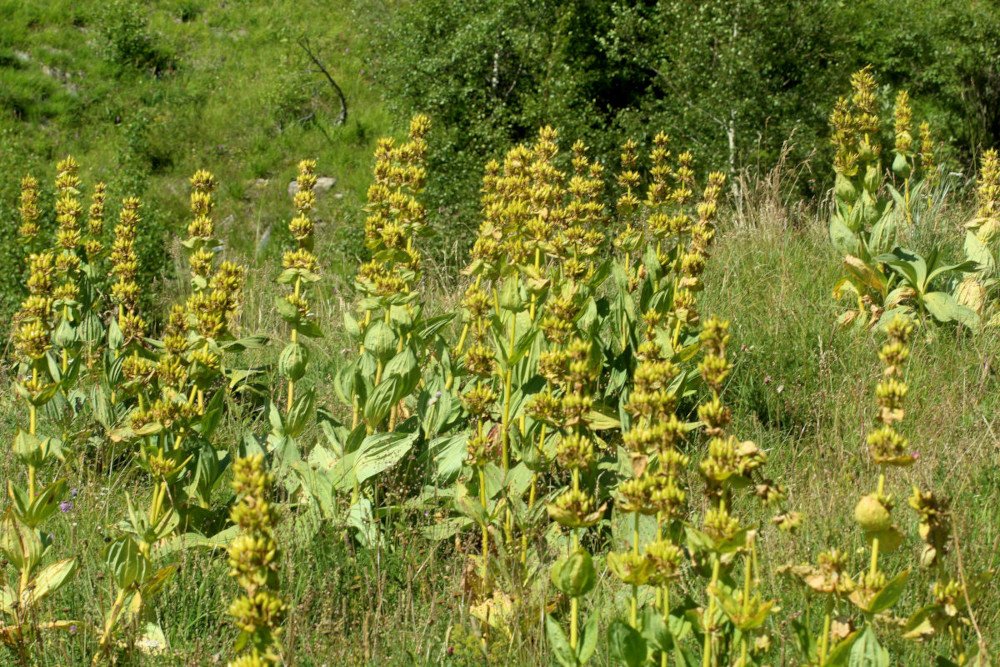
point(871, 514)
point(901, 166)
point(293, 360)
point(845, 190)
point(873, 178)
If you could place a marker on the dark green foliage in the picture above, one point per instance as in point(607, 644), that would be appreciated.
point(129, 43)
point(491, 75)
point(732, 80)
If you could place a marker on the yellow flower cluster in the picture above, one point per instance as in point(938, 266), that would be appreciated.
point(253, 563)
point(984, 228)
point(395, 216)
point(928, 161)
point(201, 229)
point(855, 124)
point(886, 444)
point(125, 268)
point(32, 335)
point(655, 435)
point(902, 122)
point(30, 213)
point(68, 236)
point(92, 245)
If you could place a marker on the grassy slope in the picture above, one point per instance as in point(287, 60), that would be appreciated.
point(232, 99)
point(801, 388)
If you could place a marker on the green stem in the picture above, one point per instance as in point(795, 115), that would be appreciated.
point(294, 338)
point(109, 626)
point(486, 531)
point(532, 494)
point(665, 611)
point(707, 654)
point(506, 425)
point(634, 602)
point(874, 563)
point(747, 580)
point(824, 642)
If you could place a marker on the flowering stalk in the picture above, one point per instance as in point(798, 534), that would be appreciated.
point(571, 370)
point(201, 243)
point(928, 161)
point(478, 398)
point(982, 243)
point(391, 305)
point(68, 240)
point(253, 562)
point(902, 164)
point(23, 542)
point(128, 328)
point(29, 229)
point(301, 269)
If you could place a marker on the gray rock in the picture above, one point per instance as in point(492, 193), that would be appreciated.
point(323, 185)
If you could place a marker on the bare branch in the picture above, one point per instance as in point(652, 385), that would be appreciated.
point(342, 117)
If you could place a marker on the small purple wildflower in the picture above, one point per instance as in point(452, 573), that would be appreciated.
point(72, 493)
point(66, 506)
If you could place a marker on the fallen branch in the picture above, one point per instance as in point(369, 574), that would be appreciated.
point(342, 117)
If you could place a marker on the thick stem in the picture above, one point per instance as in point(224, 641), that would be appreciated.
point(874, 563)
point(486, 531)
point(665, 611)
point(109, 626)
point(634, 602)
point(747, 582)
point(506, 425)
point(824, 642)
point(707, 653)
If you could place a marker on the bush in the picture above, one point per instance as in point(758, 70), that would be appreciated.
point(129, 44)
point(735, 79)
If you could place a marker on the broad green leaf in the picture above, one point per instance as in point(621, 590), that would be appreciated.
point(302, 410)
point(626, 645)
point(448, 454)
point(867, 652)
point(588, 639)
point(558, 643)
point(844, 240)
point(888, 596)
point(978, 252)
point(127, 564)
point(574, 575)
point(380, 339)
point(865, 274)
point(361, 518)
point(944, 308)
point(186, 541)
point(22, 546)
point(351, 325)
point(45, 504)
point(7, 597)
point(444, 530)
point(432, 326)
point(51, 579)
point(383, 397)
point(602, 418)
point(883, 234)
point(382, 451)
point(840, 654)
